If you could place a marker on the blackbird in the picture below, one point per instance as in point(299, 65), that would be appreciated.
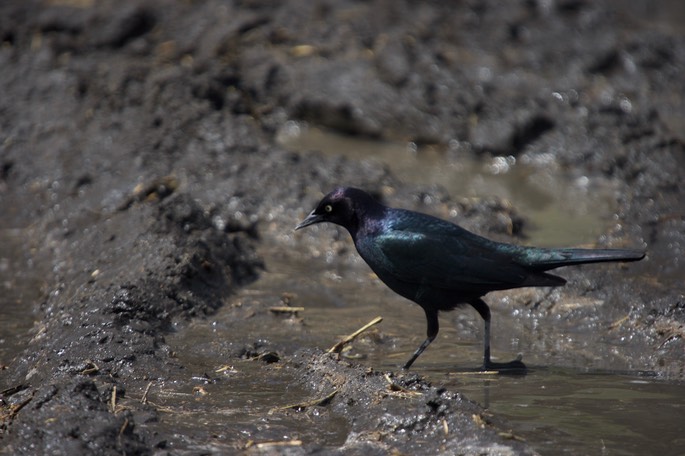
point(440, 265)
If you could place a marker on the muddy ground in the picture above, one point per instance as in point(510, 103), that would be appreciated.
point(138, 160)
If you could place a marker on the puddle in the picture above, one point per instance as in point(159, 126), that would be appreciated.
point(576, 410)
point(567, 410)
point(561, 209)
point(562, 411)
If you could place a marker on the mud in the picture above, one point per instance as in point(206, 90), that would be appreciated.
point(140, 172)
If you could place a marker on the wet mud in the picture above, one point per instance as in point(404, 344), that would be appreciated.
point(145, 192)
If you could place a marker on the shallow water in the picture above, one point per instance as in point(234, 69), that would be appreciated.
point(562, 209)
point(575, 409)
point(564, 411)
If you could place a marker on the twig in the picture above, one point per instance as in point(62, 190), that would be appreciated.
point(156, 190)
point(511, 436)
point(12, 390)
point(113, 399)
point(91, 368)
point(337, 347)
point(668, 339)
point(478, 419)
point(485, 372)
point(143, 400)
point(15, 409)
point(618, 323)
point(282, 443)
point(400, 390)
point(286, 309)
point(123, 427)
point(303, 405)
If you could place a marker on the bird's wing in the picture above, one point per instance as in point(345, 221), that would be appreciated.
point(447, 260)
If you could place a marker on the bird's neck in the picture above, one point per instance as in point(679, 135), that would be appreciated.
point(366, 221)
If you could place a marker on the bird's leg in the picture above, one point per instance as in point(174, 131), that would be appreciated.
point(486, 341)
point(484, 312)
point(432, 332)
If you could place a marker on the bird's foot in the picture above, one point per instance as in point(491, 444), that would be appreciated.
point(512, 367)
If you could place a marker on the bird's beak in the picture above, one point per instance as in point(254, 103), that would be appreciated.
point(311, 219)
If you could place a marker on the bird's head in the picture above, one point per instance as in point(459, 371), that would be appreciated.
point(343, 206)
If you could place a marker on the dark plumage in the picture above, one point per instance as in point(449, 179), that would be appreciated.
point(440, 265)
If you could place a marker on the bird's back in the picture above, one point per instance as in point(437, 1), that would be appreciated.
point(413, 252)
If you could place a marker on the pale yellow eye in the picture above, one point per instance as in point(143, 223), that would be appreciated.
point(328, 208)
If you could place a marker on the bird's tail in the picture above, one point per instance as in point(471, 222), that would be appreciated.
point(545, 259)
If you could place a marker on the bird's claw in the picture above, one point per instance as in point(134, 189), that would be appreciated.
point(512, 367)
